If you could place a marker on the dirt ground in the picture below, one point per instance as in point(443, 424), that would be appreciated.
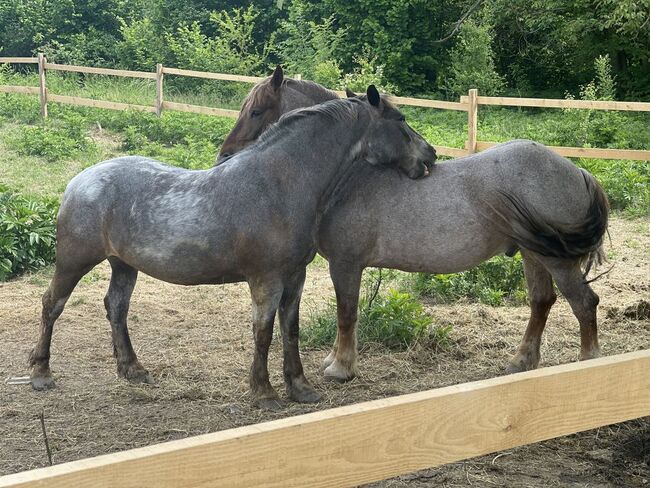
point(197, 343)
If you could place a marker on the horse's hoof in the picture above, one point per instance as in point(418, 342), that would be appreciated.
point(329, 360)
point(514, 368)
point(270, 404)
point(338, 373)
point(136, 374)
point(42, 383)
point(304, 394)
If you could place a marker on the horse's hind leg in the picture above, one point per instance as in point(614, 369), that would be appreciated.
point(266, 295)
point(116, 301)
point(541, 297)
point(341, 364)
point(582, 299)
point(298, 388)
point(54, 299)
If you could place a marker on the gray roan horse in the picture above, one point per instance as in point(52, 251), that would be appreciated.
point(515, 196)
point(254, 219)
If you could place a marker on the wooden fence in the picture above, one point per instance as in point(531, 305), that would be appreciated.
point(469, 104)
point(380, 439)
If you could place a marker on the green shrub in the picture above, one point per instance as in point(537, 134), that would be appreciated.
point(495, 282)
point(393, 319)
point(308, 47)
point(27, 233)
point(472, 61)
point(367, 72)
point(627, 183)
point(51, 142)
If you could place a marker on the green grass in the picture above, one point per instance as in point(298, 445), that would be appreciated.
point(389, 317)
point(498, 281)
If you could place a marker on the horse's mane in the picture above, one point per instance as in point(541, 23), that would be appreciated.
point(318, 93)
point(334, 110)
point(314, 91)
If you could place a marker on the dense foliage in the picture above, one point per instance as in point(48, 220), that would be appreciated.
point(27, 233)
point(414, 46)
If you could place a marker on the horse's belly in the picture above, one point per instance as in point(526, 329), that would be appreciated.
point(439, 251)
point(187, 263)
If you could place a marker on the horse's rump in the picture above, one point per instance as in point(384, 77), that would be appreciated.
point(581, 239)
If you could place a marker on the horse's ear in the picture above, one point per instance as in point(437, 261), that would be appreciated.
point(277, 78)
point(373, 96)
point(349, 93)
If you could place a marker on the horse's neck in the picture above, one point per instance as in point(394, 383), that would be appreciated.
point(320, 165)
point(305, 94)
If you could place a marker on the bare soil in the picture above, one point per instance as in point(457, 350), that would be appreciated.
point(197, 343)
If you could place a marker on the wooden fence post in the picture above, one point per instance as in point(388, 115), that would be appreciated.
point(42, 90)
point(159, 89)
point(472, 120)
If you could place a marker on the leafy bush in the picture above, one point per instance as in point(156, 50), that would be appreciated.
point(308, 47)
point(53, 141)
point(367, 72)
point(141, 46)
point(232, 51)
point(393, 319)
point(627, 183)
point(472, 61)
point(495, 282)
point(596, 128)
point(27, 233)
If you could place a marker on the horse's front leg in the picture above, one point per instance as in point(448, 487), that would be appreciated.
point(266, 295)
point(343, 358)
point(298, 388)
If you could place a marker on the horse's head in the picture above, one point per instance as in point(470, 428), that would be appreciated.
point(390, 140)
point(260, 109)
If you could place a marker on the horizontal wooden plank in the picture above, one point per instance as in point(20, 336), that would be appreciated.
point(559, 103)
point(454, 152)
point(185, 107)
point(100, 71)
point(588, 152)
point(422, 102)
point(211, 76)
point(18, 60)
point(90, 102)
point(375, 440)
point(32, 90)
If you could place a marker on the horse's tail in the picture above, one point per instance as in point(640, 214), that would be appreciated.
point(582, 240)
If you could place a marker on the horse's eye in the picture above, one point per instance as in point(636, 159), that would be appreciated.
point(402, 119)
point(255, 113)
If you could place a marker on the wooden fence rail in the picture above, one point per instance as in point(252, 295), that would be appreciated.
point(376, 440)
point(469, 104)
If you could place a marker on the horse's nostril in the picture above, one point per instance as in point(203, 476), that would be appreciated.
point(224, 155)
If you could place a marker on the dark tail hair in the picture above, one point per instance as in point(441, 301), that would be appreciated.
point(583, 240)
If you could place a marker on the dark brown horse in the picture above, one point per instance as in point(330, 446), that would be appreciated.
point(516, 196)
point(252, 219)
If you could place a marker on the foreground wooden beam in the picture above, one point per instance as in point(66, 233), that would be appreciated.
point(376, 440)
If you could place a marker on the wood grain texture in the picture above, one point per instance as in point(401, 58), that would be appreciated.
point(587, 152)
point(159, 89)
point(212, 76)
point(454, 152)
point(90, 102)
point(472, 121)
point(31, 90)
point(559, 103)
point(18, 60)
point(376, 440)
point(100, 71)
point(423, 102)
point(185, 107)
point(42, 89)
